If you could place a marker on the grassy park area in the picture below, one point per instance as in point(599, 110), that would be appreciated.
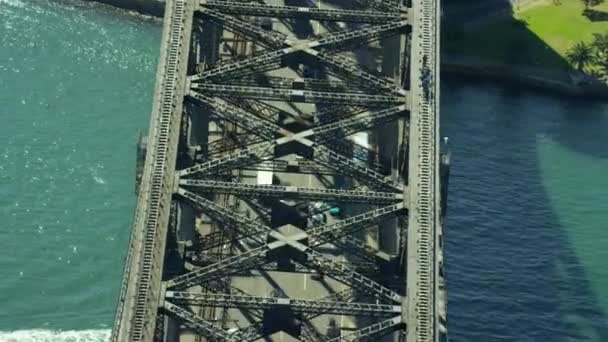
point(537, 33)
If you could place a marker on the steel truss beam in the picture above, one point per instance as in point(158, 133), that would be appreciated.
point(258, 34)
point(348, 167)
point(255, 256)
point(377, 329)
point(281, 191)
point(360, 249)
point(328, 43)
point(297, 305)
point(361, 100)
point(228, 144)
point(265, 151)
point(310, 13)
point(254, 331)
point(294, 95)
point(202, 259)
point(384, 5)
point(197, 323)
point(296, 83)
point(300, 166)
point(355, 123)
point(328, 231)
point(241, 117)
point(346, 68)
point(245, 226)
point(349, 224)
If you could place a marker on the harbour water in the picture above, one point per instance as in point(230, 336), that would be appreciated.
point(526, 234)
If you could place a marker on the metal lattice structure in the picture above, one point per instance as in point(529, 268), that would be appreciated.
point(291, 185)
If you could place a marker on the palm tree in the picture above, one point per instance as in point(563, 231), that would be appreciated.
point(602, 66)
point(600, 43)
point(580, 55)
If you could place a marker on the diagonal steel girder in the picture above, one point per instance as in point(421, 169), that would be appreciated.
point(343, 66)
point(376, 329)
point(310, 13)
point(255, 330)
point(282, 191)
point(350, 167)
point(265, 151)
point(244, 225)
point(362, 249)
point(360, 121)
point(347, 225)
point(197, 323)
point(258, 34)
point(295, 95)
point(297, 305)
point(243, 118)
point(256, 255)
point(337, 231)
point(327, 231)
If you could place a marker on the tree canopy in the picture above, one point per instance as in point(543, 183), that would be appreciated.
point(580, 55)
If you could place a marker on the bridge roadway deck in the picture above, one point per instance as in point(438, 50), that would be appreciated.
point(143, 288)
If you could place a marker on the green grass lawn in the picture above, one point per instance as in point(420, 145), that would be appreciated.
point(537, 36)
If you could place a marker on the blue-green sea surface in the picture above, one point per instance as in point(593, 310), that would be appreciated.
point(75, 90)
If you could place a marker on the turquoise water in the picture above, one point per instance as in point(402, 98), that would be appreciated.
point(75, 86)
point(526, 230)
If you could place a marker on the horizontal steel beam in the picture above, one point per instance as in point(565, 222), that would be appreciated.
point(299, 166)
point(282, 191)
point(297, 305)
point(197, 323)
point(294, 83)
point(310, 13)
point(368, 268)
point(294, 95)
point(255, 257)
point(376, 329)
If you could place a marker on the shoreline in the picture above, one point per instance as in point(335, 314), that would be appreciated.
point(557, 82)
point(553, 81)
point(155, 8)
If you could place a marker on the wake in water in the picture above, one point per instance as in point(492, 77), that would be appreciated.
point(39, 335)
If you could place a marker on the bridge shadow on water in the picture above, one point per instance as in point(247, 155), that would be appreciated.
point(514, 271)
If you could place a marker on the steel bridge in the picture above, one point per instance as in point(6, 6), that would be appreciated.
point(292, 185)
